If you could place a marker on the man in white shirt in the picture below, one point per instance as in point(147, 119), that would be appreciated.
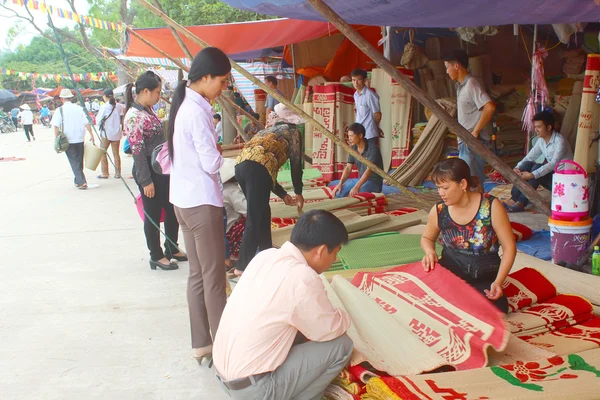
point(71, 119)
point(553, 147)
point(261, 349)
point(27, 121)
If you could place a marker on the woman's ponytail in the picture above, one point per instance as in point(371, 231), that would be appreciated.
point(128, 96)
point(176, 102)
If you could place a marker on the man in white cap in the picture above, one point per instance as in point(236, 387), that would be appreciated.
point(27, 121)
point(71, 119)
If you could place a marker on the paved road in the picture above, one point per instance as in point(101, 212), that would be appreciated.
point(82, 316)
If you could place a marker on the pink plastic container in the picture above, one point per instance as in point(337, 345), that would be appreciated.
point(570, 191)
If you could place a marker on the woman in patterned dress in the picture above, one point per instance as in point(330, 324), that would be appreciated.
point(472, 226)
point(145, 131)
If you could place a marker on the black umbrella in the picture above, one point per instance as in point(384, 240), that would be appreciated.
point(6, 96)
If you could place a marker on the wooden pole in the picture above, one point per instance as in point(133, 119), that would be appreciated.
point(430, 103)
point(176, 35)
point(185, 32)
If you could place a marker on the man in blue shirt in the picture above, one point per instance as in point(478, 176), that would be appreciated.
point(271, 82)
point(368, 180)
point(368, 113)
point(14, 114)
point(550, 144)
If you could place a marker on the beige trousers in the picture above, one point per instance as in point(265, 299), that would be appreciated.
point(204, 239)
point(116, 156)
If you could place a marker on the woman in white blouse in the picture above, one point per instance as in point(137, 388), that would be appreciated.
point(196, 192)
point(109, 126)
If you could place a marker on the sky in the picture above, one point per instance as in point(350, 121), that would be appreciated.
point(7, 20)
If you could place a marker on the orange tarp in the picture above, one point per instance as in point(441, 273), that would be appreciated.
point(231, 38)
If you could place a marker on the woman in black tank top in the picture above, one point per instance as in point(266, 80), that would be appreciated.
point(471, 226)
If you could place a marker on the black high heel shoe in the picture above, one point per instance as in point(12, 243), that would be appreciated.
point(170, 267)
point(170, 256)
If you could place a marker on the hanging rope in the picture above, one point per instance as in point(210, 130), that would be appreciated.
point(82, 103)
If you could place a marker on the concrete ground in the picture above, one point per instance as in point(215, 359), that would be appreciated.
point(82, 316)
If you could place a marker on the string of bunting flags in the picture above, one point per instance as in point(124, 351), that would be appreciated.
point(66, 14)
point(88, 76)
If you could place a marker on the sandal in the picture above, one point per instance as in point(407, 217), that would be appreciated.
point(102, 177)
point(117, 176)
point(82, 187)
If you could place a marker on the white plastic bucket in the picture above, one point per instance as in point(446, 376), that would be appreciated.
point(92, 155)
point(569, 240)
point(570, 191)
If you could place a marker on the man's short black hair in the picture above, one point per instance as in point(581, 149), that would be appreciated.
point(271, 79)
point(458, 56)
point(316, 228)
point(359, 72)
point(217, 116)
point(357, 128)
point(237, 94)
point(546, 117)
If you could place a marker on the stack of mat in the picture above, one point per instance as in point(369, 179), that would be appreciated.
point(574, 376)
point(396, 112)
point(333, 107)
point(436, 81)
point(358, 226)
point(408, 321)
point(559, 323)
point(382, 250)
point(426, 152)
point(570, 370)
point(362, 203)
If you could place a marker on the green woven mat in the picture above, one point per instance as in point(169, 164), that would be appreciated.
point(310, 173)
point(382, 249)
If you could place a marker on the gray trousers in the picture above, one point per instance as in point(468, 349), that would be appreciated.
point(75, 156)
point(308, 370)
point(204, 239)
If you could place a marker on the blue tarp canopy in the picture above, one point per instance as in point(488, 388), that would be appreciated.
point(434, 13)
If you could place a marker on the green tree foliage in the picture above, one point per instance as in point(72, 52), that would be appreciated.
point(194, 12)
point(43, 57)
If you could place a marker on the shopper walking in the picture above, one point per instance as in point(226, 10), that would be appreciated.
point(71, 119)
point(27, 121)
point(109, 126)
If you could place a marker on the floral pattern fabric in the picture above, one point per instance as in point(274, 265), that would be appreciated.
point(474, 239)
point(144, 131)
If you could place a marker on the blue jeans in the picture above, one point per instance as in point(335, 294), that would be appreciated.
point(545, 181)
point(368, 186)
point(475, 161)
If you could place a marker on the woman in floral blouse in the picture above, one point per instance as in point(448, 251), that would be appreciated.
point(471, 225)
point(145, 131)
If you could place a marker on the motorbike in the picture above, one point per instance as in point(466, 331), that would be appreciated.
point(46, 122)
point(6, 125)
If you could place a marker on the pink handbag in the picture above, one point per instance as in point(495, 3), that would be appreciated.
point(161, 159)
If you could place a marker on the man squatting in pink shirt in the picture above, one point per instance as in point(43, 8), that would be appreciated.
point(280, 337)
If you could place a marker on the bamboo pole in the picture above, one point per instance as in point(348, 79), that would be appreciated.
point(149, 44)
point(186, 69)
point(430, 103)
point(245, 113)
point(176, 35)
point(185, 32)
point(129, 71)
